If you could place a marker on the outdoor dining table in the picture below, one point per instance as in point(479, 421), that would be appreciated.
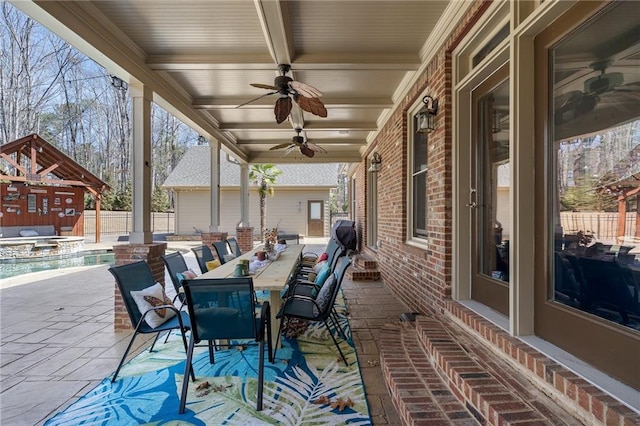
point(272, 277)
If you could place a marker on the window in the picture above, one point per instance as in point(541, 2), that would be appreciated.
point(418, 169)
point(588, 143)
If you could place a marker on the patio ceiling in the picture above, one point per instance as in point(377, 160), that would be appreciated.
point(199, 58)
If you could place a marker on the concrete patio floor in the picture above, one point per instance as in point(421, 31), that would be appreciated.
point(57, 340)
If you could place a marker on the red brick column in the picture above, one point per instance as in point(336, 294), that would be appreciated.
point(210, 237)
point(244, 235)
point(129, 253)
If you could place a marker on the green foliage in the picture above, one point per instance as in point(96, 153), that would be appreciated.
point(584, 196)
point(159, 200)
point(265, 176)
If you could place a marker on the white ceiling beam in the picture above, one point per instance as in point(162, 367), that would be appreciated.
point(325, 141)
point(268, 102)
point(311, 125)
point(330, 62)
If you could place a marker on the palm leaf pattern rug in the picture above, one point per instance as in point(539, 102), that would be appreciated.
point(305, 385)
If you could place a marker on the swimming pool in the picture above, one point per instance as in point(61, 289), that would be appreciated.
point(14, 269)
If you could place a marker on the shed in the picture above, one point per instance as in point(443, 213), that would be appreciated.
point(43, 188)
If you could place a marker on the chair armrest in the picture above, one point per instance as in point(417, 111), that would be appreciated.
point(265, 319)
point(171, 307)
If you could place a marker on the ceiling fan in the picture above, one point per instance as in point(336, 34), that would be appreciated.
point(305, 96)
point(306, 148)
point(604, 87)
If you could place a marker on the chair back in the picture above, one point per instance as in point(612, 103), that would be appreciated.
point(175, 264)
point(235, 247)
point(132, 277)
point(327, 295)
point(222, 249)
point(221, 308)
point(203, 255)
point(334, 252)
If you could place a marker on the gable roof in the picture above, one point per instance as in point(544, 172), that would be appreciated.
point(193, 170)
point(48, 165)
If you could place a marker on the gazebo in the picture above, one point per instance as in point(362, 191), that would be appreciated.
point(42, 187)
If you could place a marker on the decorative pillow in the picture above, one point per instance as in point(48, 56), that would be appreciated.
point(152, 297)
point(212, 264)
point(189, 274)
point(323, 274)
point(322, 299)
point(318, 266)
point(28, 233)
point(323, 257)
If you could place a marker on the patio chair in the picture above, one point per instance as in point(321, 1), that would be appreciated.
point(176, 264)
point(223, 309)
point(235, 247)
point(222, 250)
point(138, 288)
point(203, 255)
point(318, 308)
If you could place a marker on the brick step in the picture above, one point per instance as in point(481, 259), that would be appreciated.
point(437, 373)
point(417, 392)
point(365, 262)
point(357, 274)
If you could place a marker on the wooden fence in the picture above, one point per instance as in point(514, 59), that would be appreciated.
point(121, 223)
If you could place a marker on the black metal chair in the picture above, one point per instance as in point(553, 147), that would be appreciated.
point(137, 277)
point(318, 308)
point(222, 250)
point(235, 247)
point(176, 264)
point(203, 255)
point(224, 309)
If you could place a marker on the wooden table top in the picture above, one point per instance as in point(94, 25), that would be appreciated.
point(273, 276)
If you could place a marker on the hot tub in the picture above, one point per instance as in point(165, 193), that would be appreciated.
point(41, 246)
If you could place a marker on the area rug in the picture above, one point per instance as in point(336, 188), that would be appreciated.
point(307, 384)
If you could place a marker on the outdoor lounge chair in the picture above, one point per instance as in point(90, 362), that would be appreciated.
point(136, 279)
point(224, 309)
point(318, 308)
point(203, 255)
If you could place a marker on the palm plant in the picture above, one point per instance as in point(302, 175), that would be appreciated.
point(264, 175)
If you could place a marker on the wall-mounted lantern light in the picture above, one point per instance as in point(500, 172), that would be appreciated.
point(118, 83)
point(426, 117)
point(376, 162)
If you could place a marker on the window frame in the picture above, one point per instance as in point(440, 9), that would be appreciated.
point(411, 237)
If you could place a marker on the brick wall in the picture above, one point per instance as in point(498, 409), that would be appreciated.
point(209, 237)
point(129, 253)
point(244, 235)
point(420, 278)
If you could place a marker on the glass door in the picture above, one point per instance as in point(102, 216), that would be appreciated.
point(489, 197)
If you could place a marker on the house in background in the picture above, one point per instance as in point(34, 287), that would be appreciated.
point(300, 204)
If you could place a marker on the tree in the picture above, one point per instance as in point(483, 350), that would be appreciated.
point(264, 175)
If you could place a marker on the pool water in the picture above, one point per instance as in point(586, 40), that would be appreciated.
point(8, 270)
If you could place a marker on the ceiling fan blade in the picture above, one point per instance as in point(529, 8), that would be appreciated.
point(316, 148)
point(312, 105)
point(282, 145)
point(306, 151)
point(264, 86)
point(282, 109)
point(288, 150)
point(255, 99)
point(305, 90)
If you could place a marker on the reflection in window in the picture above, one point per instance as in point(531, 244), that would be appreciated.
point(596, 159)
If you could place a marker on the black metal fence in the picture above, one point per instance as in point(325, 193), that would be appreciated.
point(121, 223)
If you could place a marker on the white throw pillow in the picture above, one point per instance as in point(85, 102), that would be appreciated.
point(151, 297)
point(28, 233)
